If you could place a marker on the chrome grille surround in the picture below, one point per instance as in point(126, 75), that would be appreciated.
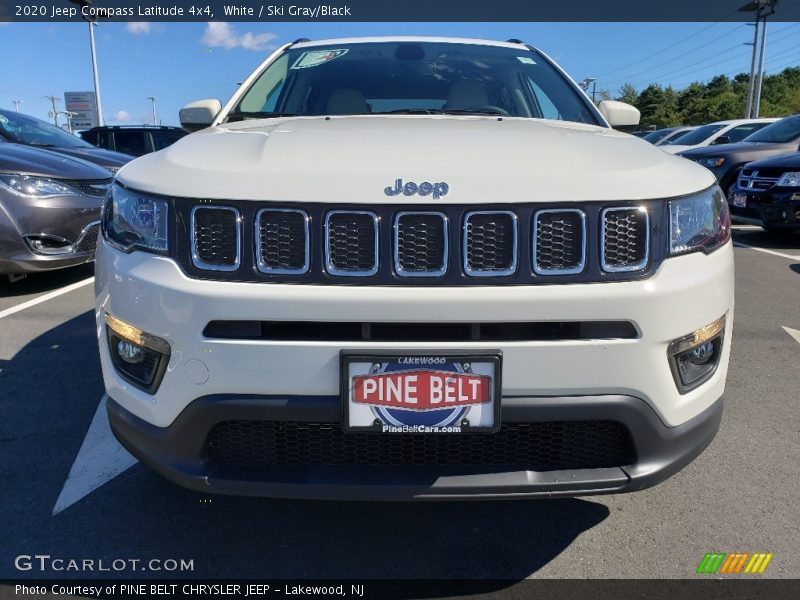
point(512, 268)
point(261, 264)
point(398, 266)
point(578, 268)
point(620, 266)
point(330, 265)
point(197, 260)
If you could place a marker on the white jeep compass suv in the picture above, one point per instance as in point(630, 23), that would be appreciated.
point(398, 268)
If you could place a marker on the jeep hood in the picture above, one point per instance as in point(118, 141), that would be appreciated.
point(354, 158)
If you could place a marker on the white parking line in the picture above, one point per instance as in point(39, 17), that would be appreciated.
point(766, 251)
point(44, 298)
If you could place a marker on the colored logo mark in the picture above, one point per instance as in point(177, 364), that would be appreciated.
point(734, 562)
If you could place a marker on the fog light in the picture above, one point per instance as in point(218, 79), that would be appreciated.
point(130, 353)
point(139, 357)
point(693, 358)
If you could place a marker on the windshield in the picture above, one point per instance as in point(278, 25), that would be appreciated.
point(658, 134)
point(31, 131)
point(780, 132)
point(697, 136)
point(408, 77)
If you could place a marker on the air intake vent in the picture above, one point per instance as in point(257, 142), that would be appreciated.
point(351, 243)
point(216, 239)
point(559, 242)
point(282, 245)
point(89, 187)
point(420, 244)
point(625, 239)
point(490, 243)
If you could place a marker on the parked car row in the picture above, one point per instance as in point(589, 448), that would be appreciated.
point(740, 155)
point(52, 185)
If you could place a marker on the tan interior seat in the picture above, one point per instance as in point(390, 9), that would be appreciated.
point(347, 101)
point(467, 93)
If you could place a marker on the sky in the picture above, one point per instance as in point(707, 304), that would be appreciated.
point(181, 62)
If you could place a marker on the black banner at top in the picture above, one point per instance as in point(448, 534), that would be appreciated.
point(400, 10)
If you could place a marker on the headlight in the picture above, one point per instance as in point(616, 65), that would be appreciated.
point(789, 180)
point(711, 163)
point(699, 222)
point(35, 187)
point(132, 220)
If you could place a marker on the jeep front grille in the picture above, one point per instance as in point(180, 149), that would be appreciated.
point(351, 243)
point(559, 241)
point(490, 243)
point(625, 239)
point(282, 244)
point(216, 238)
point(407, 245)
point(420, 244)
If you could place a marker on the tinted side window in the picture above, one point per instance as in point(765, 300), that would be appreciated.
point(104, 140)
point(737, 134)
point(162, 139)
point(130, 142)
point(90, 136)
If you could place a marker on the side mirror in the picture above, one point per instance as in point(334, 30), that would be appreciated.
point(619, 114)
point(199, 114)
point(723, 139)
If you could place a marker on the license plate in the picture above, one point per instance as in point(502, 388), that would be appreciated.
point(740, 200)
point(421, 393)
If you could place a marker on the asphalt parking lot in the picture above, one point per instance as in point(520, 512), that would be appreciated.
point(70, 492)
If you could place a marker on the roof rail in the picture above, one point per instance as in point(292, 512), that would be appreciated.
point(300, 40)
point(514, 41)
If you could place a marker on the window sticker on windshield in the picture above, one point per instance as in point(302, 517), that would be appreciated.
point(315, 58)
point(526, 60)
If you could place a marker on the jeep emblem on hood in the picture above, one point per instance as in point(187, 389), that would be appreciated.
point(425, 188)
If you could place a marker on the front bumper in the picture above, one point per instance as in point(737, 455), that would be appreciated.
point(72, 219)
point(180, 452)
point(778, 209)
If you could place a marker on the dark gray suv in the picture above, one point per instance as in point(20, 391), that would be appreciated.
point(49, 209)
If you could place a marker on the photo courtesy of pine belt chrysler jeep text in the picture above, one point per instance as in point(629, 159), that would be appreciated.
point(414, 268)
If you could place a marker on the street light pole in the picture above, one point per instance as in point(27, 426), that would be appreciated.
point(760, 78)
point(16, 104)
point(96, 77)
point(153, 101)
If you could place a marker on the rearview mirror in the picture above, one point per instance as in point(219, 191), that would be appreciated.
point(199, 114)
point(619, 114)
point(723, 139)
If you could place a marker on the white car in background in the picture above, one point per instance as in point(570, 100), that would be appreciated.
point(720, 132)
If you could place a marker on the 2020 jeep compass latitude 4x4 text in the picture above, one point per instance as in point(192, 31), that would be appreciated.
point(400, 268)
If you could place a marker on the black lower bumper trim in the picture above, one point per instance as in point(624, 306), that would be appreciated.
point(178, 452)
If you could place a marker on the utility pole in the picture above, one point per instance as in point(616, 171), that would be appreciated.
point(100, 122)
point(53, 113)
point(760, 77)
point(16, 104)
point(763, 9)
point(153, 101)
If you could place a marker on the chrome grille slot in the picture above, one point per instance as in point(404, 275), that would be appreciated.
point(559, 241)
point(490, 243)
point(88, 240)
point(625, 239)
point(351, 243)
point(757, 180)
point(420, 244)
point(282, 241)
point(215, 238)
point(89, 187)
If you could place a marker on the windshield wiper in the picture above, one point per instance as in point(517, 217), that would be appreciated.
point(41, 145)
point(259, 115)
point(441, 111)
